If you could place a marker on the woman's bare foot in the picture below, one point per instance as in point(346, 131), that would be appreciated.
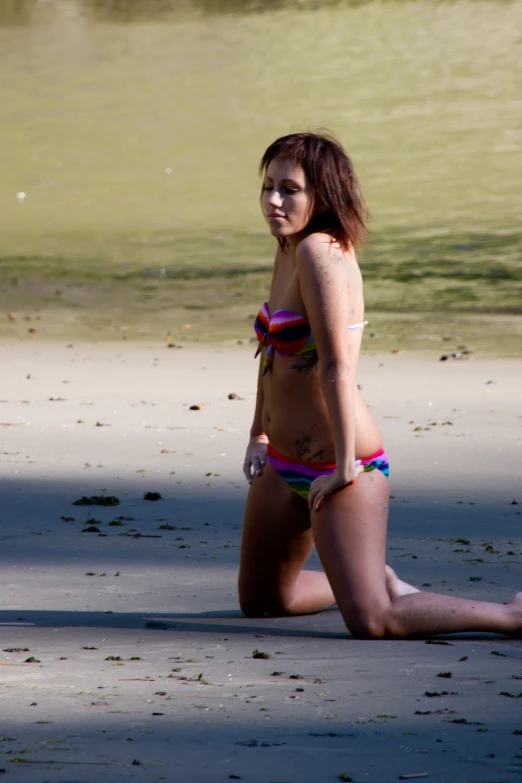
point(516, 605)
point(397, 588)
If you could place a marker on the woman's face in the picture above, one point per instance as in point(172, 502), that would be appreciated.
point(286, 198)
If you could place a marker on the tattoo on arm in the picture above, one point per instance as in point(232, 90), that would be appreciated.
point(338, 257)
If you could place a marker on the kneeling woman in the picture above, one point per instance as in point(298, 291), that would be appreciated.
point(315, 460)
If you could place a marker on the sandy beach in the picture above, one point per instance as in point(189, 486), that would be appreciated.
point(124, 655)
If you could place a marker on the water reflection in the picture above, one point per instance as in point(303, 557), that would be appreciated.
point(27, 12)
point(14, 12)
point(136, 10)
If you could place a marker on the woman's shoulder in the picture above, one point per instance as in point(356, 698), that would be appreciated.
point(318, 242)
point(318, 249)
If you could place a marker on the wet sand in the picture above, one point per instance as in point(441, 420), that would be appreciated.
point(139, 665)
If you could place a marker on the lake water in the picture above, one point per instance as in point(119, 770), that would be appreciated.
point(125, 116)
point(126, 125)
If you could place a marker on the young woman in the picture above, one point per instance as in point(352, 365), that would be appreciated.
point(315, 461)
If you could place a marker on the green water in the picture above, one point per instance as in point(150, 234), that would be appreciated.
point(130, 134)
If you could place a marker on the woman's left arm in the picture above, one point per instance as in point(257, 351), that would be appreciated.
point(323, 273)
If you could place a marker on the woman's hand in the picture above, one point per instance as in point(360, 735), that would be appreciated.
point(323, 486)
point(255, 457)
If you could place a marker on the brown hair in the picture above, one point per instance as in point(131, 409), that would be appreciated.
point(338, 205)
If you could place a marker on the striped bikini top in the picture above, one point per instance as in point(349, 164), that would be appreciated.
point(287, 333)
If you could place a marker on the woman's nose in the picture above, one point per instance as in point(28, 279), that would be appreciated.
point(276, 199)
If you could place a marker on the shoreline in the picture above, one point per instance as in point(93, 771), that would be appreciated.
point(421, 334)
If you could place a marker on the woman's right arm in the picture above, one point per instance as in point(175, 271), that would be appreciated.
point(255, 457)
point(256, 430)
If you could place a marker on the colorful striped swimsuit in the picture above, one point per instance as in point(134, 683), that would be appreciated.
point(287, 333)
point(299, 475)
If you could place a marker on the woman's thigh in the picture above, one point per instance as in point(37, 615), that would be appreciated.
point(276, 542)
point(350, 536)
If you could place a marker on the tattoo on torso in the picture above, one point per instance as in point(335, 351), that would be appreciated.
point(304, 451)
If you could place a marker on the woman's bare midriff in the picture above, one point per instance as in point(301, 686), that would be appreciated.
point(296, 421)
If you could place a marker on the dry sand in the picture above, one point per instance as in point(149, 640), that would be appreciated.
point(187, 701)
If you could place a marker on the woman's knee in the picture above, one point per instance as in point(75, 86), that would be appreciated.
point(254, 604)
point(253, 608)
point(375, 628)
point(368, 623)
point(367, 628)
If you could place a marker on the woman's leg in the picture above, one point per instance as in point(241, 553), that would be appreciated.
point(277, 540)
point(350, 535)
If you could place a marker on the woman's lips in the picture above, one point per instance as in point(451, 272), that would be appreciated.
point(276, 217)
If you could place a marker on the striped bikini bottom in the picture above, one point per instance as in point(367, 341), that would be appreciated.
point(299, 475)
